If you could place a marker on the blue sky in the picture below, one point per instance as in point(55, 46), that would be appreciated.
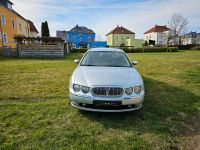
point(104, 15)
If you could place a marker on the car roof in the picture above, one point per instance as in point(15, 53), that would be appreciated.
point(105, 49)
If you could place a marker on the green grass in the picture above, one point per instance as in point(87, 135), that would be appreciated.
point(35, 112)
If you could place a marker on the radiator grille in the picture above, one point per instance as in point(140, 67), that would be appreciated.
point(107, 91)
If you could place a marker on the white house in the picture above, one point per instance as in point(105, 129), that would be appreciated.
point(191, 38)
point(158, 35)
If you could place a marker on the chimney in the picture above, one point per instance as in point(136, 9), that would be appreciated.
point(118, 26)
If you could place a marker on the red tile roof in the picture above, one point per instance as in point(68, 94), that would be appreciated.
point(120, 30)
point(157, 29)
point(32, 27)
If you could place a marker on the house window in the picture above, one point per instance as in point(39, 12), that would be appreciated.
point(13, 24)
point(20, 27)
point(160, 42)
point(89, 39)
point(117, 37)
point(122, 38)
point(161, 36)
point(5, 38)
point(3, 19)
point(26, 29)
point(128, 37)
point(73, 38)
point(80, 37)
point(0, 35)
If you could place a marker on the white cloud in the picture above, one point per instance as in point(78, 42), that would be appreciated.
point(101, 16)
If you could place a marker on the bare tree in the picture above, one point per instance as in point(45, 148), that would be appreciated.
point(178, 25)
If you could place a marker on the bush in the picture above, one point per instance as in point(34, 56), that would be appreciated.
point(196, 48)
point(79, 50)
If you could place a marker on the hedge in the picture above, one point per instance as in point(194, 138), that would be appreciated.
point(150, 49)
point(186, 47)
point(136, 50)
point(79, 50)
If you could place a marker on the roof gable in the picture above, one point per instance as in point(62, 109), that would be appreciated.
point(32, 27)
point(158, 29)
point(120, 30)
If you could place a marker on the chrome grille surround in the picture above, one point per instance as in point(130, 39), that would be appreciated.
point(107, 91)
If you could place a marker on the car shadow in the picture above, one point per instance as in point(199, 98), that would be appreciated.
point(166, 109)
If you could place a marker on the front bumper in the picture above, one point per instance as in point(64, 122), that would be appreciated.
point(127, 103)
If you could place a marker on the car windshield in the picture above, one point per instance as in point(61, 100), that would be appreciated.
point(106, 59)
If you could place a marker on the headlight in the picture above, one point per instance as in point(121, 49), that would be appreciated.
point(129, 90)
point(85, 89)
point(76, 87)
point(137, 89)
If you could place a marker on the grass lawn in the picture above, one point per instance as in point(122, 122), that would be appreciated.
point(35, 112)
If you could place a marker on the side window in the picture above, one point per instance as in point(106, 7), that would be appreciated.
point(5, 38)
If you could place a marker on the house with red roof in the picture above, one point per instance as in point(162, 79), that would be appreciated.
point(157, 35)
point(121, 36)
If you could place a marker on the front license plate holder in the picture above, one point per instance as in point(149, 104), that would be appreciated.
point(107, 103)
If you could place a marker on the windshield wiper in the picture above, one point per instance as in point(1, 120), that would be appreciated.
point(88, 65)
point(114, 66)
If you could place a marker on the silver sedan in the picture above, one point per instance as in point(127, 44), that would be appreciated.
point(106, 81)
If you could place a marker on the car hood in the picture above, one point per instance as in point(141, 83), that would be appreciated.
point(106, 76)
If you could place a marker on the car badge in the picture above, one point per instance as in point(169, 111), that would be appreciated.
point(107, 91)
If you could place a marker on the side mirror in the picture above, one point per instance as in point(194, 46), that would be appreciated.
point(76, 61)
point(134, 63)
